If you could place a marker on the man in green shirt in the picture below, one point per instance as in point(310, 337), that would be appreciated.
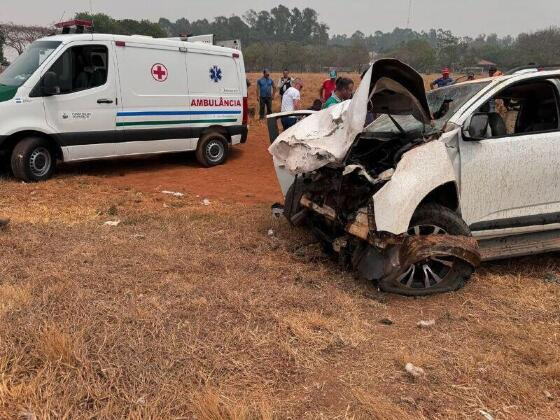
point(343, 92)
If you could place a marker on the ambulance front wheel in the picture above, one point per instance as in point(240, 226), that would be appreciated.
point(33, 159)
point(212, 150)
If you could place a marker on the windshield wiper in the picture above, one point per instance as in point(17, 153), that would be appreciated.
point(401, 130)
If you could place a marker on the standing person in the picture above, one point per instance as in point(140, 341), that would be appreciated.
point(494, 72)
point(343, 92)
point(444, 80)
point(470, 76)
point(291, 101)
point(496, 105)
point(266, 90)
point(328, 86)
point(284, 83)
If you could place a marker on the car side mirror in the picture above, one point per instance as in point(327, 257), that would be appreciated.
point(50, 84)
point(477, 127)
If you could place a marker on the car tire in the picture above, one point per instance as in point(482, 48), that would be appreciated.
point(292, 204)
point(33, 159)
point(452, 277)
point(212, 150)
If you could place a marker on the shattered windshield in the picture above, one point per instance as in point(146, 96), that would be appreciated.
point(443, 103)
point(27, 63)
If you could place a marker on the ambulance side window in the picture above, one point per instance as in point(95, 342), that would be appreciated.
point(81, 68)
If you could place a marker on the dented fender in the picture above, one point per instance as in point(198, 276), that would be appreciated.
point(420, 171)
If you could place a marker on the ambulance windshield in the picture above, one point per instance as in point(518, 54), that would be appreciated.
point(26, 64)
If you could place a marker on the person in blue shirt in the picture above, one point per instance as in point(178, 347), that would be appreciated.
point(266, 90)
point(444, 80)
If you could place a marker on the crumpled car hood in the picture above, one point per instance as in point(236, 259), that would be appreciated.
point(325, 137)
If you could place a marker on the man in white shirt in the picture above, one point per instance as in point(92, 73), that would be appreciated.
point(284, 83)
point(291, 101)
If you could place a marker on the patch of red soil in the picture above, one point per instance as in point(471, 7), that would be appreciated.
point(248, 176)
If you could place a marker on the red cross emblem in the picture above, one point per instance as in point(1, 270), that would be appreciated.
point(159, 72)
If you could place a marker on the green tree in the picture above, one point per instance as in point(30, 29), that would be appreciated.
point(106, 24)
point(417, 53)
point(358, 55)
point(541, 47)
point(3, 61)
point(296, 38)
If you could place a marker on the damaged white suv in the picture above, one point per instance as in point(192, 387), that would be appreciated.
point(435, 184)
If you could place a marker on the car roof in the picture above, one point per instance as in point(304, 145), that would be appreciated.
point(515, 77)
point(147, 40)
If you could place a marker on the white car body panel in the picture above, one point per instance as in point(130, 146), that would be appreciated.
point(235, 139)
point(420, 171)
point(315, 141)
point(490, 168)
point(285, 177)
point(88, 152)
point(80, 112)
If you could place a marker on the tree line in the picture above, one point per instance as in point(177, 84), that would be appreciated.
point(3, 61)
point(431, 50)
point(297, 39)
point(276, 38)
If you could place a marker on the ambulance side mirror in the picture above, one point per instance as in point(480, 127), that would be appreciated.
point(50, 84)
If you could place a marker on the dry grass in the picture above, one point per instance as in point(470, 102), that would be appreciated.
point(189, 311)
point(192, 311)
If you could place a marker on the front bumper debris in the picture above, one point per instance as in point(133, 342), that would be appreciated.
point(396, 253)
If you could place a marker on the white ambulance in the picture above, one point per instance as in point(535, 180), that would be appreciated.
point(78, 97)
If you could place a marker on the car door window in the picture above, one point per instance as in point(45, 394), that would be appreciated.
point(523, 108)
point(82, 67)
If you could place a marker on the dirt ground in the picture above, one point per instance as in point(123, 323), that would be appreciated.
point(248, 176)
point(221, 311)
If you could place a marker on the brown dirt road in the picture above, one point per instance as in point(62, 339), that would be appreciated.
point(248, 176)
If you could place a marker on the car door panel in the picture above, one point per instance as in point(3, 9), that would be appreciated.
point(85, 120)
point(509, 178)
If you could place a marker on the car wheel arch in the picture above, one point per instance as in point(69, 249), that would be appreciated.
point(220, 129)
point(420, 172)
point(13, 139)
point(446, 195)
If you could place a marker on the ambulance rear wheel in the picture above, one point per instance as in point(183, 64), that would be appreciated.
point(212, 150)
point(33, 159)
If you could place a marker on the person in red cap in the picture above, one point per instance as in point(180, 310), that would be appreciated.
point(443, 81)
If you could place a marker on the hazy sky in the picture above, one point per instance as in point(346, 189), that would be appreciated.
point(463, 17)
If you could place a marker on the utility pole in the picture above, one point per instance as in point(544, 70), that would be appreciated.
point(410, 9)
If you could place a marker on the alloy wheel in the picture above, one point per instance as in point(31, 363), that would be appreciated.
point(430, 272)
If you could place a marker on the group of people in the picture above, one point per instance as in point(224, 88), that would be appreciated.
point(446, 79)
point(333, 91)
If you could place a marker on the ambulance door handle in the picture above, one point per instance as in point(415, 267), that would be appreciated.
point(104, 101)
